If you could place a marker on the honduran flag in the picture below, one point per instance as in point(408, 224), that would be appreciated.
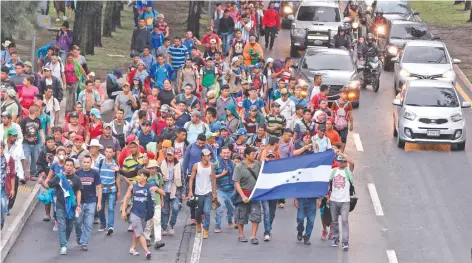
point(296, 177)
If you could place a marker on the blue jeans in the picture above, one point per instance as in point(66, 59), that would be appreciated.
point(109, 198)
point(83, 223)
point(224, 197)
point(4, 205)
point(269, 208)
point(343, 134)
point(306, 209)
point(169, 204)
point(204, 206)
point(65, 226)
point(31, 154)
point(226, 39)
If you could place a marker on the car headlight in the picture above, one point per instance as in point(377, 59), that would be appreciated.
point(351, 94)
point(381, 30)
point(456, 117)
point(392, 50)
point(355, 25)
point(298, 32)
point(409, 116)
point(405, 73)
point(448, 74)
point(288, 9)
point(353, 84)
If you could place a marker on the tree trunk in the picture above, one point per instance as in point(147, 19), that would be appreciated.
point(194, 12)
point(98, 24)
point(84, 27)
point(467, 5)
point(470, 18)
point(108, 19)
point(116, 15)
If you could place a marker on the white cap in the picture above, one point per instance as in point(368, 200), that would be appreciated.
point(270, 60)
point(234, 60)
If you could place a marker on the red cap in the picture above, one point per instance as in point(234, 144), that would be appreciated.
point(78, 138)
point(151, 155)
point(131, 138)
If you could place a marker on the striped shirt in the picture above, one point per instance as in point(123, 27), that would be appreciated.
point(107, 176)
point(244, 32)
point(278, 121)
point(178, 55)
point(130, 163)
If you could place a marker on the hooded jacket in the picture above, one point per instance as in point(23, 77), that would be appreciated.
point(235, 123)
point(56, 85)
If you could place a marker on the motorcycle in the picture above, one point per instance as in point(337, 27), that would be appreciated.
point(353, 26)
point(381, 35)
point(371, 72)
point(287, 9)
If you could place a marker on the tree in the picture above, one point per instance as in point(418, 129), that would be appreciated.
point(470, 17)
point(18, 19)
point(108, 19)
point(194, 13)
point(467, 5)
point(116, 15)
point(85, 26)
point(98, 24)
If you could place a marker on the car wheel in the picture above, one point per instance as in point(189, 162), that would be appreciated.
point(395, 132)
point(400, 143)
point(458, 146)
point(293, 52)
point(355, 104)
point(286, 24)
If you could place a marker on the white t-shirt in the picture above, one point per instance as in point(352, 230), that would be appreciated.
point(57, 70)
point(203, 180)
point(17, 153)
point(314, 91)
point(51, 107)
point(287, 109)
point(341, 185)
point(179, 150)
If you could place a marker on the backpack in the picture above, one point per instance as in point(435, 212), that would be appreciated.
point(187, 125)
point(278, 65)
point(340, 121)
point(153, 137)
point(181, 97)
point(256, 81)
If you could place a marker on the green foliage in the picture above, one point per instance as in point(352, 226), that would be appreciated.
point(18, 18)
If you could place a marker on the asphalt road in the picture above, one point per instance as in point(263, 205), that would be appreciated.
point(423, 194)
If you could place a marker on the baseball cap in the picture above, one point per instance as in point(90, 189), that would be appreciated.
point(283, 91)
point(257, 66)
point(196, 113)
point(48, 138)
point(151, 155)
point(152, 164)
point(244, 82)
point(68, 143)
point(275, 104)
point(6, 114)
point(225, 86)
point(340, 159)
point(213, 41)
point(12, 132)
point(47, 67)
point(147, 123)
point(131, 138)
point(253, 108)
point(164, 108)
point(270, 60)
point(206, 152)
point(96, 112)
point(209, 134)
point(270, 153)
point(28, 64)
point(118, 73)
point(170, 151)
point(167, 143)
point(106, 125)
point(241, 131)
point(234, 60)
point(78, 138)
point(322, 127)
point(73, 115)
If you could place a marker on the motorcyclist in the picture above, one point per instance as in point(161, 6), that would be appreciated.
point(342, 39)
point(379, 20)
point(368, 49)
point(352, 10)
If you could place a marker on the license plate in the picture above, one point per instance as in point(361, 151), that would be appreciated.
point(319, 37)
point(433, 133)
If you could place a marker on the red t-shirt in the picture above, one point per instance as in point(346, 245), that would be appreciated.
point(158, 125)
point(335, 107)
point(27, 95)
point(83, 119)
point(316, 99)
point(95, 131)
point(206, 40)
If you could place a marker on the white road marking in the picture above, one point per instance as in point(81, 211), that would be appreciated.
point(197, 248)
point(392, 256)
point(375, 200)
point(357, 141)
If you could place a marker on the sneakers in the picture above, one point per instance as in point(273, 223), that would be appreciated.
point(63, 251)
point(217, 230)
point(345, 246)
point(78, 240)
point(299, 236)
point(323, 235)
point(165, 232)
point(205, 234)
point(242, 239)
point(335, 243)
point(110, 231)
point(199, 228)
point(171, 231)
point(84, 248)
point(133, 251)
point(330, 236)
point(267, 238)
point(306, 241)
point(231, 225)
point(56, 226)
point(101, 228)
point(159, 244)
point(254, 241)
point(130, 228)
point(193, 222)
point(281, 205)
point(148, 255)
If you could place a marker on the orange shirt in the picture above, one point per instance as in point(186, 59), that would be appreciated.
point(333, 136)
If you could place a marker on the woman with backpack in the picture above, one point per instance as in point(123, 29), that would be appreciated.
point(343, 119)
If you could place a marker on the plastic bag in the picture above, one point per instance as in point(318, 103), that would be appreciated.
point(45, 195)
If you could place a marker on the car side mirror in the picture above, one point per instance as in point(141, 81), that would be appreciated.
point(291, 17)
point(465, 104)
point(436, 38)
point(397, 102)
point(394, 60)
point(456, 61)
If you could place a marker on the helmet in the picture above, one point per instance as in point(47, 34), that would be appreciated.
point(379, 12)
point(342, 28)
point(354, 5)
point(370, 38)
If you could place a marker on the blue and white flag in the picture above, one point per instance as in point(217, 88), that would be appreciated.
point(297, 177)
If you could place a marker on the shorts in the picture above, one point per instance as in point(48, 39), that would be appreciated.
point(251, 211)
point(138, 224)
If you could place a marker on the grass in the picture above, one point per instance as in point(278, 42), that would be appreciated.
point(441, 13)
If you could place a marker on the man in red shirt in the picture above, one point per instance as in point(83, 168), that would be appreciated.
point(209, 36)
point(322, 95)
point(125, 152)
point(271, 25)
point(160, 123)
point(95, 128)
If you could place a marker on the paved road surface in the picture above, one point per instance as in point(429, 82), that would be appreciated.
point(424, 194)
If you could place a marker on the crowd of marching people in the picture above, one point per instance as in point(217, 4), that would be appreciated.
point(193, 120)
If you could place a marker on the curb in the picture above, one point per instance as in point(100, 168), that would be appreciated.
point(462, 77)
point(14, 230)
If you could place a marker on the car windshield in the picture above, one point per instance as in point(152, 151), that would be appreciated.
point(425, 55)
point(410, 32)
point(431, 97)
point(323, 61)
point(318, 14)
point(390, 7)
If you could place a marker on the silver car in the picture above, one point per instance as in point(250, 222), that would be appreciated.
point(429, 111)
point(423, 59)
